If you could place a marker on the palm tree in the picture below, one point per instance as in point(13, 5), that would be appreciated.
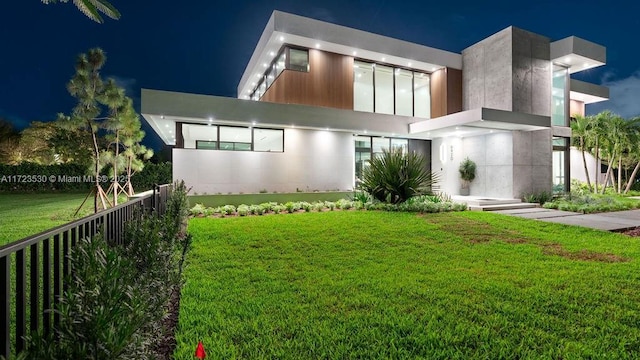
point(634, 150)
point(580, 129)
point(93, 8)
point(613, 143)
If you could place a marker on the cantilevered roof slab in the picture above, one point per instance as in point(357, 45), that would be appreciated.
point(587, 92)
point(284, 28)
point(477, 122)
point(578, 54)
point(162, 109)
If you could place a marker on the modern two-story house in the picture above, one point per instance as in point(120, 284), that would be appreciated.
point(318, 100)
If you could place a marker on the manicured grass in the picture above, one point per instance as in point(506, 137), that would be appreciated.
point(238, 199)
point(22, 215)
point(368, 284)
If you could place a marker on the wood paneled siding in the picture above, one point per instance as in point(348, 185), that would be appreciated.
point(446, 92)
point(329, 83)
point(576, 108)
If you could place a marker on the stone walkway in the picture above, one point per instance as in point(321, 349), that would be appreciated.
point(612, 221)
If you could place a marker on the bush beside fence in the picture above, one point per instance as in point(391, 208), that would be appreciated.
point(130, 253)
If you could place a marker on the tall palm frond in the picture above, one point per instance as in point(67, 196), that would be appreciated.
point(92, 8)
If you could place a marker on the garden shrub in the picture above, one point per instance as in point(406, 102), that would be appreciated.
point(539, 197)
point(592, 203)
point(31, 177)
point(117, 295)
point(161, 173)
point(395, 176)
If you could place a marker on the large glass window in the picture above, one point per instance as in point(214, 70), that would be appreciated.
point(206, 145)
point(280, 65)
point(363, 154)
point(367, 147)
point(379, 143)
point(559, 100)
point(362, 86)
point(404, 93)
point(235, 138)
point(560, 164)
point(384, 89)
point(268, 140)
point(400, 144)
point(298, 59)
point(388, 90)
point(422, 95)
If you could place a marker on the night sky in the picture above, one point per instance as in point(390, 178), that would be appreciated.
point(203, 46)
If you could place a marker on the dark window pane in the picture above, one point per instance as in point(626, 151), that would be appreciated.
point(298, 60)
point(206, 145)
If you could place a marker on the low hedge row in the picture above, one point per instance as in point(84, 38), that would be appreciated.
point(117, 299)
point(31, 177)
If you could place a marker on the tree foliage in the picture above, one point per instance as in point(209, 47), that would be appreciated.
point(396, 175)
point(92, 8)
point(613, 140)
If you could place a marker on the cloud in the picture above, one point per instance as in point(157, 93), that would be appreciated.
point(624, 96)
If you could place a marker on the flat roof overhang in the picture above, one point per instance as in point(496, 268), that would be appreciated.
point(162, 109)
point(284, 28)
point(578, 54)
point(587, 92)
point(475, 122)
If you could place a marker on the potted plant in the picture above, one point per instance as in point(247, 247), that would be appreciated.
point(467, 171)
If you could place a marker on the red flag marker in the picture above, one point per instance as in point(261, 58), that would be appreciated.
point(200, 353)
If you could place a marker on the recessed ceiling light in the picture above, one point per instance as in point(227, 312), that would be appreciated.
point(355, 53)
point(253, 83)
point(265, 65)
point(210, 119)
point(317, 46)
point(281, 38)
point(365, 131)
point(272, 54)
point(167, 125)
point(161, 116)
point(258, 75)
point(253, 123)
point(410, 64)
point(384, 59)
point(585, 65)
point(567, 60)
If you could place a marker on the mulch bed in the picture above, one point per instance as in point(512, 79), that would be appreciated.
point(167, 345)
point(632, 232)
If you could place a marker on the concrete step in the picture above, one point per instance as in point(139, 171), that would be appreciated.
point(505, 206)
point(483, 201)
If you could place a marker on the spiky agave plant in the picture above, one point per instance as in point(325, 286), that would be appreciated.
point(395, 176)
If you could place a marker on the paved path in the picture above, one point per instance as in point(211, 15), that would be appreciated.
point(612, 221)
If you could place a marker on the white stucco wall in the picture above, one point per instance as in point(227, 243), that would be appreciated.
point(312, 160)
point(509, 164)
point(577, 166)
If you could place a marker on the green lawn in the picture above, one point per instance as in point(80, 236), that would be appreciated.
point(22, 215)
point(368, 285)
